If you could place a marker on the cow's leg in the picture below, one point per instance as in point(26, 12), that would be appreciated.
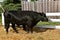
point(14, 28)
point(29, 26)
point(31, 29)
point(27, 29)
point(24, 27)
point(7, 22)
point(7, 27)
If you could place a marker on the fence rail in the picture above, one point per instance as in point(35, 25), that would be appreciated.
point(48, 6)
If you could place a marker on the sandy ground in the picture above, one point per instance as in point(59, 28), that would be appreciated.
point(47, 34)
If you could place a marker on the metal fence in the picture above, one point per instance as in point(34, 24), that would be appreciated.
point(45, 6)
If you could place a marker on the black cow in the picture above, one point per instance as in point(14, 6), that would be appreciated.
point(27, 18)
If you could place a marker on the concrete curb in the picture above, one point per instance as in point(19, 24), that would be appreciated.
point(48, 26)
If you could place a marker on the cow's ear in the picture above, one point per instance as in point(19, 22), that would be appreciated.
point(43, 14)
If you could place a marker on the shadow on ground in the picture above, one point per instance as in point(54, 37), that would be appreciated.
point(40, 29)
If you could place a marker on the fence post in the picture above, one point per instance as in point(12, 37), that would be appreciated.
point(3, 19)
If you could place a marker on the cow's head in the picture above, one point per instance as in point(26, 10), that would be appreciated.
point(43, 17)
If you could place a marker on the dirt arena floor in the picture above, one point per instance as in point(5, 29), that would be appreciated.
point(47, 34)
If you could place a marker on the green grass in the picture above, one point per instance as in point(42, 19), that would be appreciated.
point(48, 23)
